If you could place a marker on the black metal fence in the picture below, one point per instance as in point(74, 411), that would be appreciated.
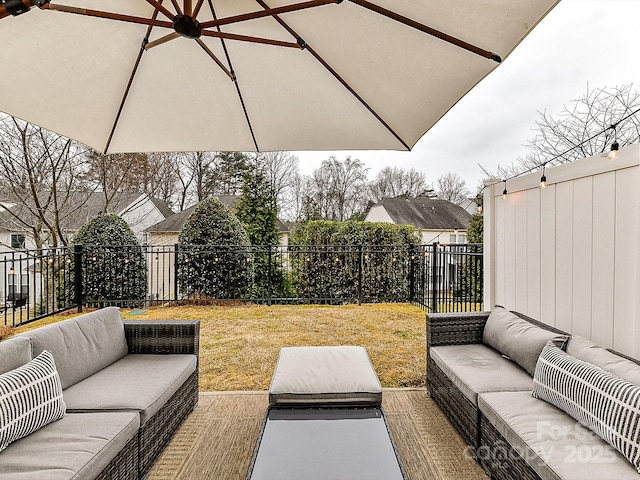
point(44, 282)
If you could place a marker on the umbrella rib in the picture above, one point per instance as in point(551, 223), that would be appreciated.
point(176, 6)
point(235, 81)
point(247, 38)
point(162, 9)
point(110, 16)
point(125, 95)
point(268, 12)
point(215, 59)
point(161, 40)
point(337, 76)
point(196, 10)
point(428, 30)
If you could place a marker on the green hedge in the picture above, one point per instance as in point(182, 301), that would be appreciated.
point(347, 260)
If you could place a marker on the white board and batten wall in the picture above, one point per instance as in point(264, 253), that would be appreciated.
point(568, 254)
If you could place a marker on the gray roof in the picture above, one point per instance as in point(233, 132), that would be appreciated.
point(78, 209)
point(426, 213)
point(175, 222)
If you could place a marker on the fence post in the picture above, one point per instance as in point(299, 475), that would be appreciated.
point(411, 273)
point(269, 279)
point(77, 267)
point(434, 276)
point(175, 272)
point(360, 260)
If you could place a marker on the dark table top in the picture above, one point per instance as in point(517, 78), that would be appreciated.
point(326, 444)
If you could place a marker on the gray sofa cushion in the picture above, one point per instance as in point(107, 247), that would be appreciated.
point(554, 444)
point(324, 376)
point(76, 447)
point(518, 339)
point(135, 382)
point(82, 345)
point(14, 352)
point(587, 351)
point(477, 368)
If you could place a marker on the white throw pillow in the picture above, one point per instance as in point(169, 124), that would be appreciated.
point(599, 400)
point(30, 398)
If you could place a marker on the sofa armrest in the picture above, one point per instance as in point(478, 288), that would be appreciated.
point(163, 336)
point(455, 328)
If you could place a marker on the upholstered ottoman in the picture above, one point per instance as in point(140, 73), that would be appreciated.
point(325, 419)
point(324, 376)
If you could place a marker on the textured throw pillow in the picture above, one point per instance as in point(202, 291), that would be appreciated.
point(518, 339)
point(599, 400)
point(30, 398)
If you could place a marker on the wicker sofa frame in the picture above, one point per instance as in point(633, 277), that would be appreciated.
point(461, 329)
point(162, 337)
point(477, 431)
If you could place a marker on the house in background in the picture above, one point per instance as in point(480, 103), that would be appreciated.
point(437, 220)
point(163, 236)
point(139, 210)
point(166, 231)
point(17, 281)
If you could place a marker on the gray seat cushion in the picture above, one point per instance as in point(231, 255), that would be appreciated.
point(76, 447)
point(135, 382)
point(14, 352)
point(477, 368)
point(82, 345)
point(553, 443)
point(340, 375)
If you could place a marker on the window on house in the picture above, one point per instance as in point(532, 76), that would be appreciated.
point(11, 284)
point(17, 241)
point(24, 285)
point(452, 238)
point(462, 238)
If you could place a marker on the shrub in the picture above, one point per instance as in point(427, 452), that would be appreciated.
point(114, 269)
point(214, 253)
point(357, 260)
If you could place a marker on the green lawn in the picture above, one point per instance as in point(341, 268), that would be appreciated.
point(239, 345)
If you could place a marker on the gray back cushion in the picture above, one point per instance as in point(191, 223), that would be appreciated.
point(518, 339)
point(14, 352)
point(82, 345)
point(584, 349)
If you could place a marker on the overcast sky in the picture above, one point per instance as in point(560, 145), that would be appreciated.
point(580, 42)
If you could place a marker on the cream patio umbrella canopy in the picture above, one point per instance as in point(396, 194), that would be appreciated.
point(250, 75)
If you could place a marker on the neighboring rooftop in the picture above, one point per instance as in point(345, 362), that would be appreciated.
point(426, 213)
point(175, 222)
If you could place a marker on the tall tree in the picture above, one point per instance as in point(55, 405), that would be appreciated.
point(281, 170)
point(582, 129)
point(226, 173)
point(115, 173)
point(453, 188)
point(41, 171)
point(256, 210)
point(339, 187)
point(393, 182)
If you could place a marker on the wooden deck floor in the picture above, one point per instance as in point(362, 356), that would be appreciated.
point(218, 438)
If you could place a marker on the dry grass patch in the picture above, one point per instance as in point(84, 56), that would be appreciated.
point(239, 345)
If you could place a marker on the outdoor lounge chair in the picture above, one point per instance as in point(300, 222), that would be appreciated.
point(325, 419)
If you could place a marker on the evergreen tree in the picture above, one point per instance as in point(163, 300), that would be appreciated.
point(257, 211)
point(213, 253)
point(114, 269)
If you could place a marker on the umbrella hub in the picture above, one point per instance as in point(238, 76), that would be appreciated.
point(187, 26)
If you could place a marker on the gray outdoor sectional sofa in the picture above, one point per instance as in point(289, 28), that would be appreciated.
point(521, 392)
point(116, 392)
